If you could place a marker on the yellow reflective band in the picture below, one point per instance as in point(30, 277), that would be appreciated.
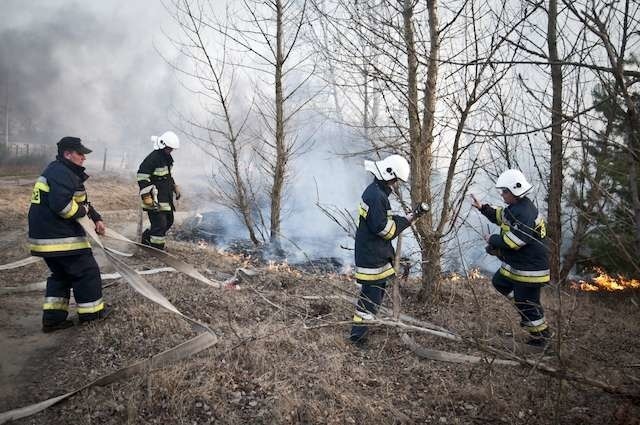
point(165, 206)
point(59, 247)
point(511, 244)
point(499, 215)
point(377, 276)
point(526, 279)
point(69, 210)
point(80, 198)
point(391, 233)
point(541, 227)
point(55, 303)
point(90, 308)
point(161, 171)
point(362, 212)
point(40, 185)
point(157, 239)
point(538, 328)
point(357, 318)
point(143, 177)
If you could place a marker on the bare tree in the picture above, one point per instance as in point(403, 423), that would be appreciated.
point(220, 133)
point(270, 32)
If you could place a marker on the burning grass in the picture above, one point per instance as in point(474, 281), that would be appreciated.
point(605, 282)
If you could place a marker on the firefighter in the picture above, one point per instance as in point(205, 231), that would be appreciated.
point(377, 227)
point(57, 200)
point(157, 188)
point(521, 246)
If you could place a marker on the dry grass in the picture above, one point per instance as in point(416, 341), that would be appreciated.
point(283, 359)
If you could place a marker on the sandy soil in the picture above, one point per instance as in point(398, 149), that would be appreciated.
point(282, 358)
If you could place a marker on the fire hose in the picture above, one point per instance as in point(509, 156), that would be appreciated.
point(187, 349)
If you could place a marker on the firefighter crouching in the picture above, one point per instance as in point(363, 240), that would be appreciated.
point(521, 247)
point(374, 253)
point(57, 200)
point(157, 188)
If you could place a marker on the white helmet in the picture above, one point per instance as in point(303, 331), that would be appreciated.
point(515, 181)
point(167, 140)
point(390, 168)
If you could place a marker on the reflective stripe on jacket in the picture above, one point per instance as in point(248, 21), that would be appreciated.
point(57, 200)
point(374, 252)
point(522, 241)
point(155, 169)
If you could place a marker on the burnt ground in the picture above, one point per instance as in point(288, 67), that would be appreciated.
point(282, 358)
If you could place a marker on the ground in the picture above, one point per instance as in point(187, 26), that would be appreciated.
point(282, 358)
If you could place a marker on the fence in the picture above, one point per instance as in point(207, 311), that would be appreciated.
point(16, 150)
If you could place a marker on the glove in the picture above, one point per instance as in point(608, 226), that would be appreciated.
point(491, 250)
point(176, 190)
point(420, 209)
point(149, 197)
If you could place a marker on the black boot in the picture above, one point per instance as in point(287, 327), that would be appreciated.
point(540, 339)
point(146, 237)
point(48, 326)
point(100, 315)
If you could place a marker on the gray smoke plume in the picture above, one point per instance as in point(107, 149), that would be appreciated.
point(88, 69)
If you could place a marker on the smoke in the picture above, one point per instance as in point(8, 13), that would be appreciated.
point(88, 69)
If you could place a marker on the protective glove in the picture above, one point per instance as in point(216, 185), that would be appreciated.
point(176, 190)
point(491, 250)
point(420, 209)
point(149, 197)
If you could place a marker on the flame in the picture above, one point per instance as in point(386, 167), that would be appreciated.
point(605, 282)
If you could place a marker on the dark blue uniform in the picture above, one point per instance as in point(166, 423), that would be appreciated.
point(521, 245)
point(374, 252)
point(58, 199)
point(155, 169)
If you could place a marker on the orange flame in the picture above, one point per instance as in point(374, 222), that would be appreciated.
point(604, 282)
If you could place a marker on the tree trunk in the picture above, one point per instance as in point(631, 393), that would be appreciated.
point(422, 163)
point(281, 152)
point(556, 177)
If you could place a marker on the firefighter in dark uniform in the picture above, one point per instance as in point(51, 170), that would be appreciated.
point(521, 246)
point(377, 227)
point(57, 200)
point(157, 189)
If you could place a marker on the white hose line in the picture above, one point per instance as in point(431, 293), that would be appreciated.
point(38, 286)
point(20, 263)
point(140, 285)
point(179, 352)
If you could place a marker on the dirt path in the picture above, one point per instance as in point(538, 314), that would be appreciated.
point(24, 346)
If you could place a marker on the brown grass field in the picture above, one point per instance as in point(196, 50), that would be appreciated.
point(281, 358)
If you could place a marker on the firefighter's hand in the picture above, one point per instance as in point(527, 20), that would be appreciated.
point(475, 203)
point(176, 190)
point(100, 227)
point(486, 237)
point(491, 250)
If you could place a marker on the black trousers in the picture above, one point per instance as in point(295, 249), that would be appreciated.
point(79, 272)
point(526, 298)
point(161, 222)
point(371, 296)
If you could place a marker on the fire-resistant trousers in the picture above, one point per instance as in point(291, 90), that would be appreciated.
point(161, 222)
point(526, 298)
point(371, 295)
point(79, 272)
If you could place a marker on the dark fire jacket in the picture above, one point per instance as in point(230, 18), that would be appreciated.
point(156, 169)
point(521, 242)
point(57, 200)
point(374, 252)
